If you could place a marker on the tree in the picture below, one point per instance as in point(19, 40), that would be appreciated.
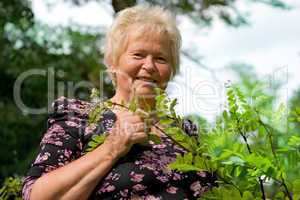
point(201, 12)
point(71, 53)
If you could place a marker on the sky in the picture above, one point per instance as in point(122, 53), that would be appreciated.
point(271, 43)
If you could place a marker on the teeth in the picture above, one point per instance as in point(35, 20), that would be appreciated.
point(146, 79)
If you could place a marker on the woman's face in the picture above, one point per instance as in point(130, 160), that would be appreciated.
point(144, 64)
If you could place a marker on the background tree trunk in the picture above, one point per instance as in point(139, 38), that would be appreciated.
point(122, 4)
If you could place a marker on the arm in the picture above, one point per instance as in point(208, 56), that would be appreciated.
point(77, 179)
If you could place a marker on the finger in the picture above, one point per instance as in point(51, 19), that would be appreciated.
point(143, 114)
point(127, 113)
point(124, 114)
point(133, 127)
point(142, 127)
point(139, 112)
point(139, 137)
point(131, 119)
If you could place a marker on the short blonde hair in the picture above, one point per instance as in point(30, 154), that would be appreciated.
point(159, 19)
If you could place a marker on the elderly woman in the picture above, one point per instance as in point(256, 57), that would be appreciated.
point(142, 52)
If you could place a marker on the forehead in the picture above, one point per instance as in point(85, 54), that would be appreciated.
point(148, 34)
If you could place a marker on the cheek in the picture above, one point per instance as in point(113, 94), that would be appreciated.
point(127, 70)
point(165, 73)
point(165, 76)
point(132, 68)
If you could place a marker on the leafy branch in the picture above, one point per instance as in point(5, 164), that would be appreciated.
point(164, 111)
point(235, 95)
point(274, 154)
point(234, 149)
point(11, 188)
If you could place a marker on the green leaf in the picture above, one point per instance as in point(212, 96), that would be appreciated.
point(184, 163)
point(166, 121)
point(173, 104)
point(108, 103)
point(133, 105)
point(96, 113)
point(296, 186)
point(95, 141)
point(247, 195)
point(154, 138)
point(225, 192)
point(188, 157)
point(294, 141)
point(95, 93)
point(177, 134)
point(202, 163)
point(183, 167)
point(11, 188)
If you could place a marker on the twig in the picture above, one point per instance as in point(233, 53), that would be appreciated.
point(230, 183)
point(250, 152)
point(274, 154)
point(262, 188)
point(170, 137)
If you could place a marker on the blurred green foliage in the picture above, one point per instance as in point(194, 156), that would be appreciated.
point(11, 189)
point(256, 138)
point(73, 54)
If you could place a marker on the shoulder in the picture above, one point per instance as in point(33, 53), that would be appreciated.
point(78, 115)
point(69, 109)
point(66, 121)
point(68, 115)
point(66, 105)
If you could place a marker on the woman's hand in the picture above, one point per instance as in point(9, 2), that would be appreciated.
point(128, 130)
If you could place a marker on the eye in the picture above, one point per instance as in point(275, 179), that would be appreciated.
point(161, 60)
point(138, 55)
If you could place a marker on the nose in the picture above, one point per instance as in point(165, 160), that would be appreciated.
point(149, 65)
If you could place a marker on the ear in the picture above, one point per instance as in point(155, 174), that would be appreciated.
point(109, 63)
point(111, 68)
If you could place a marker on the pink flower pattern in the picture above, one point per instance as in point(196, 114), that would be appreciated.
point(136, 177)
point(139, 187)
point(172, 190)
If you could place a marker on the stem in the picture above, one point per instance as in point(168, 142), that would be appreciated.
point(286, 189)
point(274, 154)
point(259, 178)
point(262, 188)
point(270, 139)
point(171, 138)
point(231, 183)
point(246, 141)
point(250, 152)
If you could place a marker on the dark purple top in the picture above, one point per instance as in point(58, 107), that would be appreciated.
point(141, 174)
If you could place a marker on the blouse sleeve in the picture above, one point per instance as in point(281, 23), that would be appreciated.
point(61, 143)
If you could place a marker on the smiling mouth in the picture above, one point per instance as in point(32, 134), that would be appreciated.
point(146, 79)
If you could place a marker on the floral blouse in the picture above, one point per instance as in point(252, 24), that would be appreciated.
point(141, 174)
